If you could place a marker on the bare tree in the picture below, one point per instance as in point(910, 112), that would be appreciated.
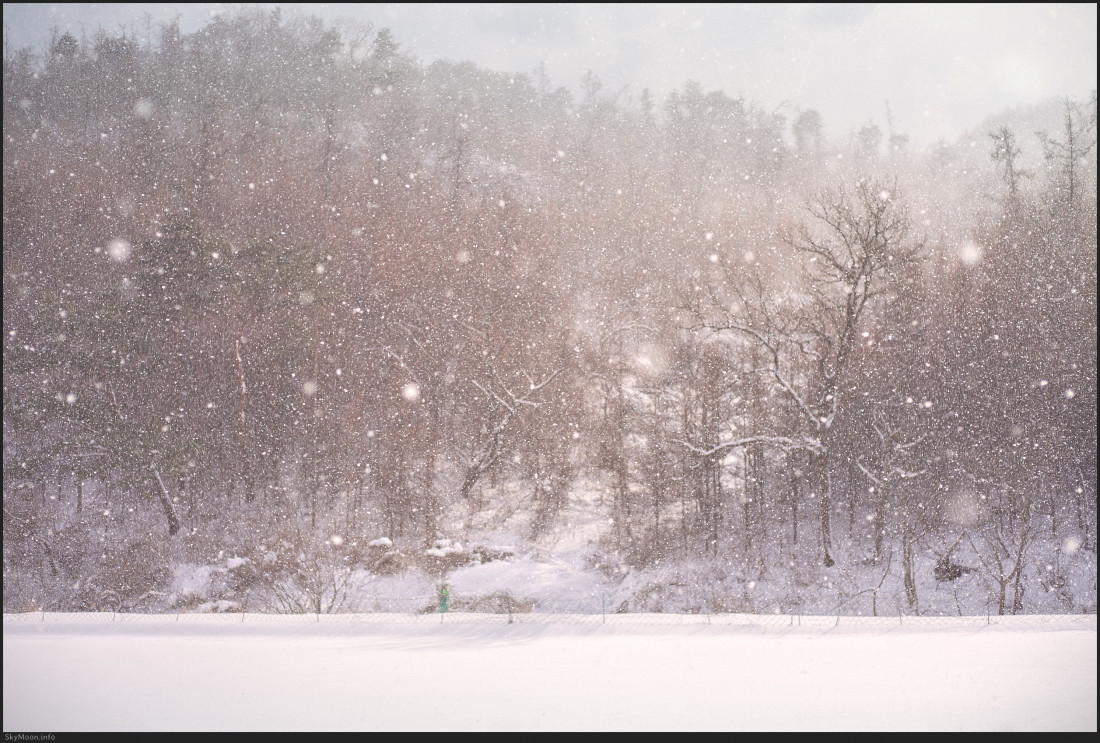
point(1005, 530)
point(898, 460)
point(506, 401)
point(856, 244)
point(893, 465)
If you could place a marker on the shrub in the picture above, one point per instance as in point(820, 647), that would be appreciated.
point(497, 602)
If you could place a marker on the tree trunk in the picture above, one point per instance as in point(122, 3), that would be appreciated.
point(795, 495)
point(880, 521)
point(821, 470)
point(166, 504)
point(431, 504)
point(1018, 594)
point(907, 571)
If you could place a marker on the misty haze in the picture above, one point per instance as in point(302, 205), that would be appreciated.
point(297, 321)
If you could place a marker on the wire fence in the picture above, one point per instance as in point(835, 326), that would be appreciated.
point(414, 612)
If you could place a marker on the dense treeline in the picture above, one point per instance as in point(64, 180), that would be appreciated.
point(274, 276)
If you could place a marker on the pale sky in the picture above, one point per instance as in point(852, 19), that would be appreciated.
point(942, 67)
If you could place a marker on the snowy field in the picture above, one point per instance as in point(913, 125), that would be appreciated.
point(99, 672)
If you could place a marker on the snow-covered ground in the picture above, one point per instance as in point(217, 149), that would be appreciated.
point(205, 672)
point(572, 567)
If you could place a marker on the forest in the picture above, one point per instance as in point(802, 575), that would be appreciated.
point(276, 282)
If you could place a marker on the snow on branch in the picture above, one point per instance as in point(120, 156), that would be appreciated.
point(782, 442)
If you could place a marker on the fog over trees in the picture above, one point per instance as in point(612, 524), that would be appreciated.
point(274, 281)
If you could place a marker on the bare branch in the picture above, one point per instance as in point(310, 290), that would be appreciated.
point(782, 442)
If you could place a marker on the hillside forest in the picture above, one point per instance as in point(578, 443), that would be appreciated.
point(277, 290)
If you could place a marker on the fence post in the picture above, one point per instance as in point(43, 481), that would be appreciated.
point(508, 600)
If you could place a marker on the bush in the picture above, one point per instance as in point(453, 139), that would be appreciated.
point(296, 576)
point(392, 562)
point(497, 602)
point(133, 577)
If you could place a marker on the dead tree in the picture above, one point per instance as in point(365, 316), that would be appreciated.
point(508, 405)
point(1005, 530)
point(856, 244)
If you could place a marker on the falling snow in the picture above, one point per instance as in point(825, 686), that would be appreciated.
point(299, 321)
